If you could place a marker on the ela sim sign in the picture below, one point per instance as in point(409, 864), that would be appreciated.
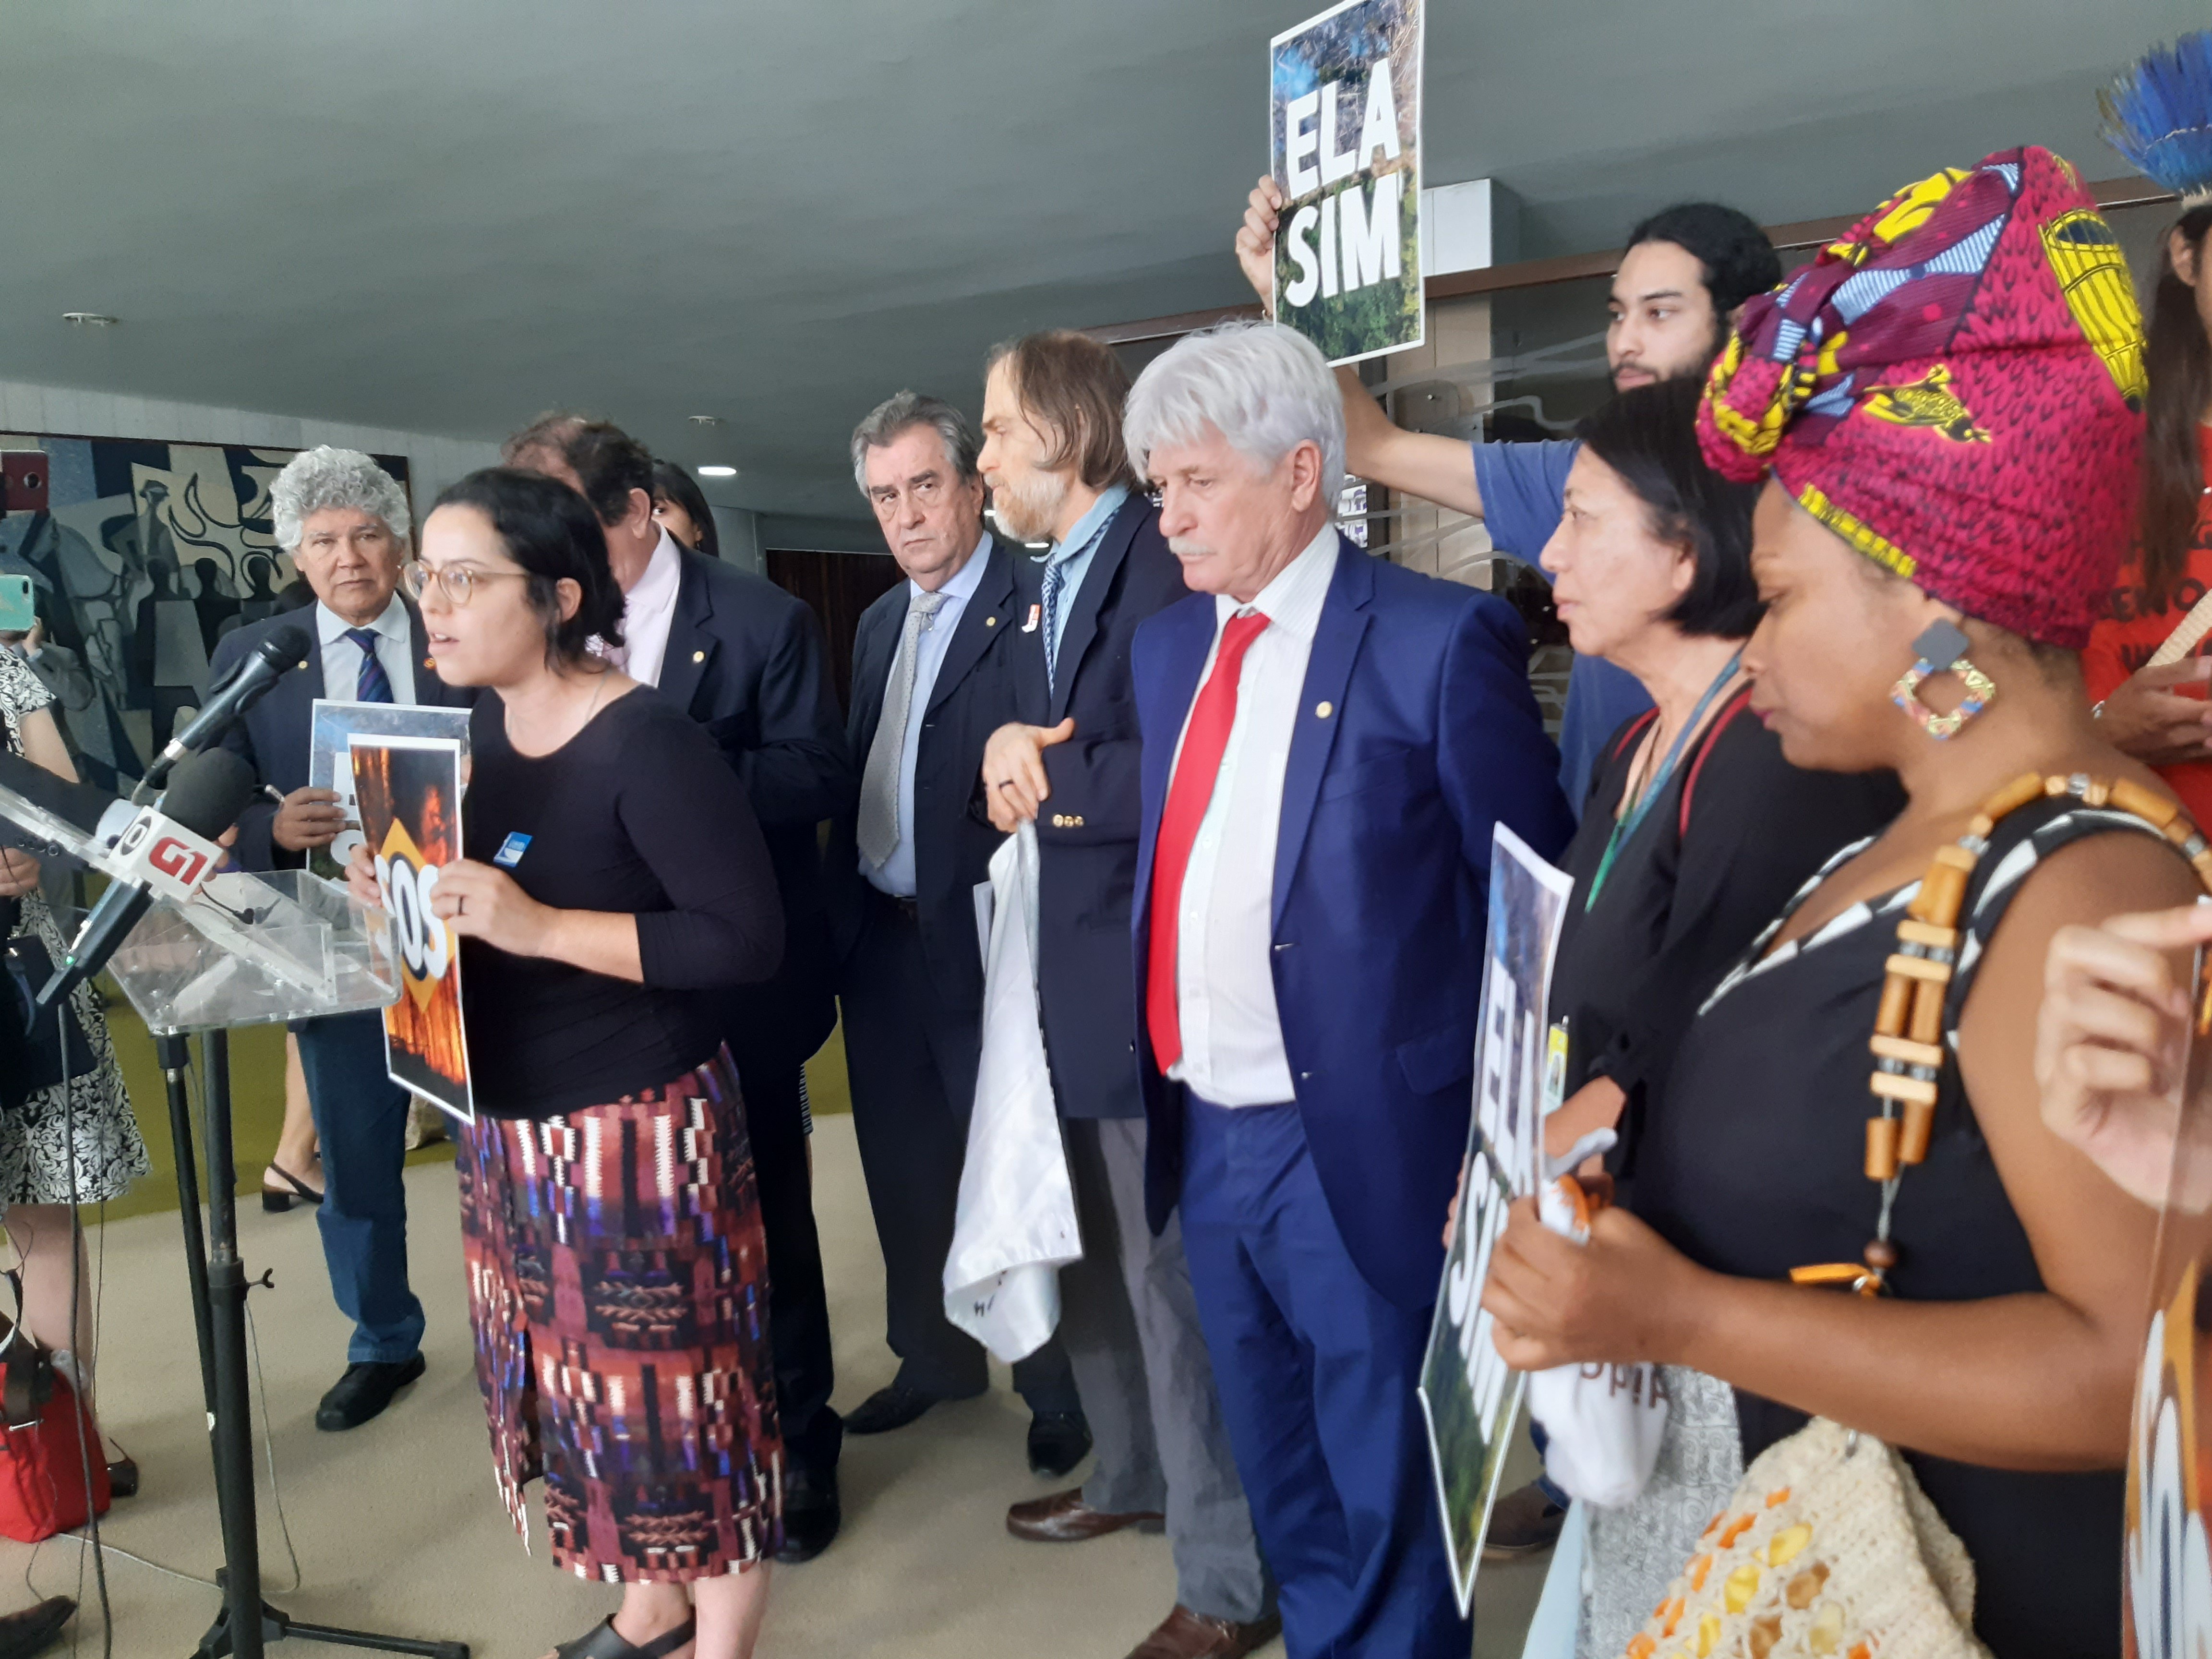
point(1363, 228)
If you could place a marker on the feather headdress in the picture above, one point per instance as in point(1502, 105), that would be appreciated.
point(2159, 115)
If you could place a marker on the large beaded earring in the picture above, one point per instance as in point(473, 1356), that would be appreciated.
point(1943, 647)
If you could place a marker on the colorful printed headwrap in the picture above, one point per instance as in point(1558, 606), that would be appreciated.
point(1955, 388)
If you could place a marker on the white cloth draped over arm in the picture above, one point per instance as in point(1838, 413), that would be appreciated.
point(1015, 1226)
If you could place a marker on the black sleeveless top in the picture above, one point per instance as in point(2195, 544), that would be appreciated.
point(1736, 831)
point(1757, 1166)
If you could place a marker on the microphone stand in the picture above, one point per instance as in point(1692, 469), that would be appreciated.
point(219, 1285)
point(213, 1268)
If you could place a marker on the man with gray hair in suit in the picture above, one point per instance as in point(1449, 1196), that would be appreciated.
point(932, 680)
point(344, 521)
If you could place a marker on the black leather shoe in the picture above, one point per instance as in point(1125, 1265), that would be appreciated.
point(886, 1409)
point(365, 1390)
point(33, 1630)
point(1523, 1523)
point(1058, 1442)
point(812, 1515)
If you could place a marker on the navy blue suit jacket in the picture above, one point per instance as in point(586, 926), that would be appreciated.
point(973, 697)
point(1087, 830)
point(274, 736)
point(746, 660)
point(1416, 734)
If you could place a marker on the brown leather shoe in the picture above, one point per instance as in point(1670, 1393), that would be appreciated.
point(1065, 1518)
point(1187, 1635)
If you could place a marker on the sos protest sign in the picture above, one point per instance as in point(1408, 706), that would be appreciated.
point(1345, 111)
point(1467, 1394)
point(409, 792)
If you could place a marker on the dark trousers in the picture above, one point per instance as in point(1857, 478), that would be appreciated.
point(798, 1305)
point(1317, 1372)
point(1139, 1353)
point(360, 1118)
point(913, 1061)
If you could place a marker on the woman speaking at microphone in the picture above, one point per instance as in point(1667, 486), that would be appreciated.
point(614, 881)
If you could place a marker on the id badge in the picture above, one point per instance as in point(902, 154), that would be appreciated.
point(1555, 1067)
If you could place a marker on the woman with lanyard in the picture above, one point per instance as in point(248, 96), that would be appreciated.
point(1945, 414)
point(1695, 829)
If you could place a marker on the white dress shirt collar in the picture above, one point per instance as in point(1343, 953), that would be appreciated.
point(1294, 599)
point(341, 657)
point(390, 622)
point(962, 586)
point(649, 611)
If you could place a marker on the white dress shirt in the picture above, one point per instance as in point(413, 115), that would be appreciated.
point(648, 613)
point(896, 875)
point(395, 649)
point(1232, 1035)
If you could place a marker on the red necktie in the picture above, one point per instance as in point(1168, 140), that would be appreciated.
point(1204, 741)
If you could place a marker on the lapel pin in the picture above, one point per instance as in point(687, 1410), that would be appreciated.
point(990, 621)
point(303, 662)
point(1323, 709)
point(698, 656)
point(1036, 615)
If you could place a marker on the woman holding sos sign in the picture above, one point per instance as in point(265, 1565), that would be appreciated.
point(613, 882)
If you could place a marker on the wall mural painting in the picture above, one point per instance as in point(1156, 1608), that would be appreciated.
point(148, 555)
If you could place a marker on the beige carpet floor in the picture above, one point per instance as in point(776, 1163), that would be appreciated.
point(397, 1528)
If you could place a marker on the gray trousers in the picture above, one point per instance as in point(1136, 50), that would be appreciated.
point(1130, 1326)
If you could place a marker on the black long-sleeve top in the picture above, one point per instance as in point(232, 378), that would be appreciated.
point(636, 814)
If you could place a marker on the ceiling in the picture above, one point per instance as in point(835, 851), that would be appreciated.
point(443, 218)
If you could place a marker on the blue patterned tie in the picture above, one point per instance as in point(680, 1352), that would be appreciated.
point(376, 685)
point(1056, 578)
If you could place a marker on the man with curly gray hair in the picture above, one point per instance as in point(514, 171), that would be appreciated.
point(344, 521)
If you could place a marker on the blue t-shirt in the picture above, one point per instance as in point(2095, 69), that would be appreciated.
point(1521, 484)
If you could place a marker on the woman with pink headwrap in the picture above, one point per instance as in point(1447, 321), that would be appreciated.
point(1945, 406)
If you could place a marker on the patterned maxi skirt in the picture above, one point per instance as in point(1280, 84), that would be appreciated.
point(618, 1288)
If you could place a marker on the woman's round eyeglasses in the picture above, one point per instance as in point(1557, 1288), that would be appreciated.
point(457, 582)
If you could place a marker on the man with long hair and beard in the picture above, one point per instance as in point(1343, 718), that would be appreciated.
point(1060, 473)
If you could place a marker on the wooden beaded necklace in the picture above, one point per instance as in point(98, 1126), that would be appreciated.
point(1908, 1026)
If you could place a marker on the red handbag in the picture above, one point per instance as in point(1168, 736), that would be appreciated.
point(48, 1441)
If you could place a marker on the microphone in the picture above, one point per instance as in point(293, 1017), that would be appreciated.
point(283, 649)
point(95, 815)
point(167, 852)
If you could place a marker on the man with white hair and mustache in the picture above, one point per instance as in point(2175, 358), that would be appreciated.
point(1330, 741)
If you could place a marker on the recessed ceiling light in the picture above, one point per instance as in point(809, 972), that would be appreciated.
point(704, 420)
point(718, 472)
point(90, 319)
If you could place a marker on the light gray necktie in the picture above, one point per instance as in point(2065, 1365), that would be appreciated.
point(878, 829)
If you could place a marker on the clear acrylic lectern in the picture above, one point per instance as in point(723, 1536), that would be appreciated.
point(248, 950)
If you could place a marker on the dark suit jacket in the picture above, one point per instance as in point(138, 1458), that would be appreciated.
point(273, 737)
point(974, 696)
point(745, 659)
point(1087, 830)
point(1416, 735)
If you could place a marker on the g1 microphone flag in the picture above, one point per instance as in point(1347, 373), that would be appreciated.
point(167, 852)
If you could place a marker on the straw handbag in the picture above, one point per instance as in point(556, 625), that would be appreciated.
point(1828, 1547)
